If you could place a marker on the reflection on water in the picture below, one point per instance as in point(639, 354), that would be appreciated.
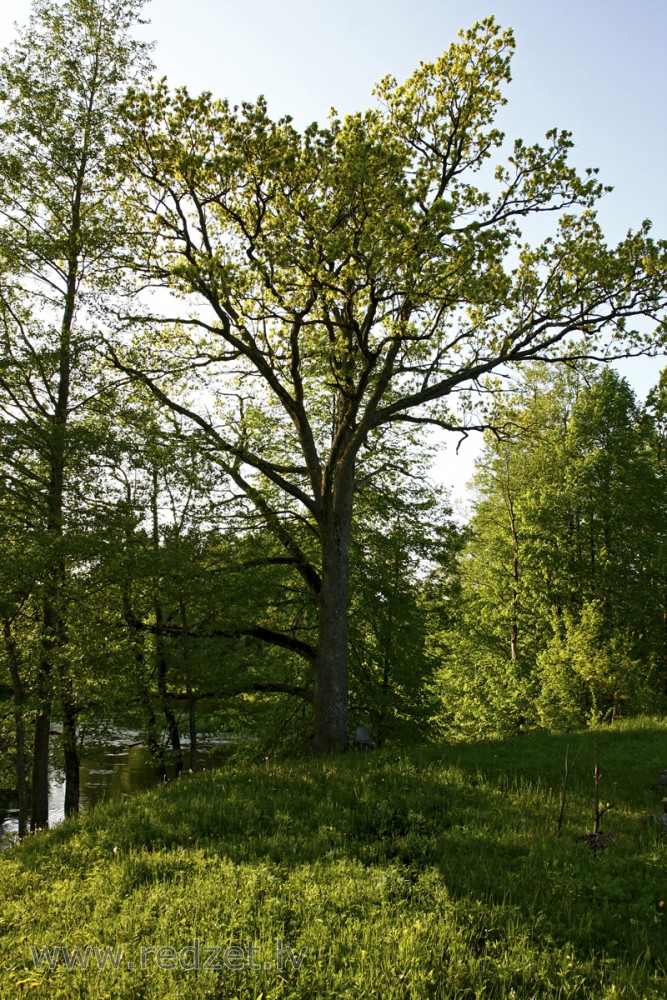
point(120, 769)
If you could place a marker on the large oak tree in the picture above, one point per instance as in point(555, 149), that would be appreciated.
point(350, 279)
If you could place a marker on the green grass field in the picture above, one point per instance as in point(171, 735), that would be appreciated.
point(433, 873)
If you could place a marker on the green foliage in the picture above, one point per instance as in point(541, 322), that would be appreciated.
point(346, 281)
point(561, 615)
point(403, 528)
point(587, 675)
point(331, 291)
point(62, 237)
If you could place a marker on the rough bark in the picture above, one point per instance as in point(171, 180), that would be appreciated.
point(330, 699)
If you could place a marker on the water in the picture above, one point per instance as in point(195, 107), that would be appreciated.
point(121, 768)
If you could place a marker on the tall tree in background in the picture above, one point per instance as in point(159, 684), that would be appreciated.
point(562, 600)
point(60, 241)
point(402, 530)
point(353, 277)
point(607, 643)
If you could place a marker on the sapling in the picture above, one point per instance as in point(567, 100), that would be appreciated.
point(598, 840)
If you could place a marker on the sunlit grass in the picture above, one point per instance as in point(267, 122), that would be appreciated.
point(433, 873)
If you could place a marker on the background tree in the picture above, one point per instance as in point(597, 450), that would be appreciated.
point(656, 411)
point(60, 238)
point(402, 529)
point(562, 602)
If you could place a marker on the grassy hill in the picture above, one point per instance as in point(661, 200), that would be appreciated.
point(420, 874)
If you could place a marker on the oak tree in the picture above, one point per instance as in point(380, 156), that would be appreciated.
point(357, 277)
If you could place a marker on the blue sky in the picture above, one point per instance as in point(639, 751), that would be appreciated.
point(595, 67)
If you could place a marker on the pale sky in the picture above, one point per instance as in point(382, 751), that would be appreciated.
point(595, 67)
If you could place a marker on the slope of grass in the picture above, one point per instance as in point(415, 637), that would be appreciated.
point(433, 873)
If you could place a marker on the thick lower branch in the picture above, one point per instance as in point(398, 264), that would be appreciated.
point(269, 687)
point(268, 635)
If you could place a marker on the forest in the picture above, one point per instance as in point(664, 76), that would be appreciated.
point(230, 353)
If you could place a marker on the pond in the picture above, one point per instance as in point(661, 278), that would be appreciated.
point(122, 767)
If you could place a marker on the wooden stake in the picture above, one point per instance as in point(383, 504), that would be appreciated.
point(563, 790)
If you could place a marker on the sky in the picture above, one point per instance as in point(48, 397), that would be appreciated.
point(594, 67)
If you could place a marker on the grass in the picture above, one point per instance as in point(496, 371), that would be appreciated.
point(411, 874)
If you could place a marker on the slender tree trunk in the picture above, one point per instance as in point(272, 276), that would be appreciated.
point(153, 739)
point(160, 650)
point(39, 787)
point(192, 720)
point(56, 627)
point(70, 746)
point(152, 734)
point(330, 703)
point(155, 747)
point(54, 637)
point(19, 723)
point(189, 690)
point(170, 717)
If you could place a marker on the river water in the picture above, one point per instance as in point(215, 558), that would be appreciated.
point(120, 768)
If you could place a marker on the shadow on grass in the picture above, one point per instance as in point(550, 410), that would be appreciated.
point(475, 825)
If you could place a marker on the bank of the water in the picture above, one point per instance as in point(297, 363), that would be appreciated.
point(119, 766)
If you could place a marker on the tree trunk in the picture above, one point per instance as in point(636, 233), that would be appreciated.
point(170, 717)
point(54, 636)
point(160, 651)
point(39, 791)
point(19, 723)
point(54, 643)
point(330, 702)
point(153, 739)
point(70, 747)
point(152, 733)
point(192, 716)
point(189, 690)
point(39, 807)
point(21, 780)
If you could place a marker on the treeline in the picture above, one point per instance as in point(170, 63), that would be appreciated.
point(562, 618)
point(143, 566)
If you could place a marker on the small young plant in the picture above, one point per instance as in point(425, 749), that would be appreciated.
point(597, 840)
